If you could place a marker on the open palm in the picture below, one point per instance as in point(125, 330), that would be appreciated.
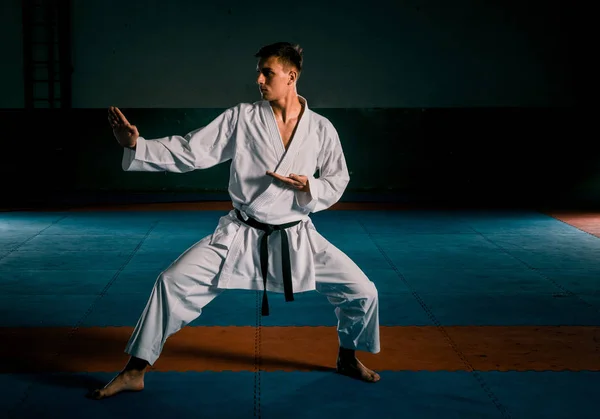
point(125, 133)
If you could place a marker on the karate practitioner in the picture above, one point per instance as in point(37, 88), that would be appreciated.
point(286, 162)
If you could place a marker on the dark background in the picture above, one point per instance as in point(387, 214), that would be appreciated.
point(446, 103)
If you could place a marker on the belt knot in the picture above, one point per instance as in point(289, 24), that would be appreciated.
point(269, 229)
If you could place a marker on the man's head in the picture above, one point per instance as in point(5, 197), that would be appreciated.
point(278, 69)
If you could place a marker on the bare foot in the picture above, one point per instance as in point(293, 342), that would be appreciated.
point(128, 380)
point(355, 369)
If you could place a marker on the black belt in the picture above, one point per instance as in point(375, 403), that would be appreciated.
point(264, 256)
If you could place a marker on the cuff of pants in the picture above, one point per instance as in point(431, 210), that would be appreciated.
point(372, 347)
point(142, 353)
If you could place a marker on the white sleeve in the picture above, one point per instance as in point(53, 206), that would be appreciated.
point(199, 149)
point(333, 176)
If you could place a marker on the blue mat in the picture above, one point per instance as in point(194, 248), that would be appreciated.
point(539, 395)
point(467, 267)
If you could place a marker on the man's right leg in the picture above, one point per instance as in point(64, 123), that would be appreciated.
point(177, 298)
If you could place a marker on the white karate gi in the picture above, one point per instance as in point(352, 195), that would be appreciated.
point(247, 134)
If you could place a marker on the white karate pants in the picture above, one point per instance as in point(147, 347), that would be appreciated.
point(181, 292)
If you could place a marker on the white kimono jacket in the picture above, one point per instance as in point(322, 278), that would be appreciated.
point(247, 134)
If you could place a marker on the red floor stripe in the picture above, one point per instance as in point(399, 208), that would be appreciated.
point(406, 348)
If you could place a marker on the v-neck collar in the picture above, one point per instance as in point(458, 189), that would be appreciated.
point(276, 140)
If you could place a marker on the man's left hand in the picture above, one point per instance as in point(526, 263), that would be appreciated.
point(298, 182)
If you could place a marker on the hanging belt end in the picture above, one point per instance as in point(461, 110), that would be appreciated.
point(265, 305)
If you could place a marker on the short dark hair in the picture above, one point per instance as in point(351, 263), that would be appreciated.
point(288, 53)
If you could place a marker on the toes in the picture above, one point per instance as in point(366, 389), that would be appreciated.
point(362, 374)
point(95, 394)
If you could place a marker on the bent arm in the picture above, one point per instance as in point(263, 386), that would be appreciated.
point(199, 149)
point(333, 177)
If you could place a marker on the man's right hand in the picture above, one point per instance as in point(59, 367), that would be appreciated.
point(125, 133)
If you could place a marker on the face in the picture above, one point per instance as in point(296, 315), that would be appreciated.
point(274, 80)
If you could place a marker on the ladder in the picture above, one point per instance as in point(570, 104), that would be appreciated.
point(47, 65)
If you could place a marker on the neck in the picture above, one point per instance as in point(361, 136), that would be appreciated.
point(288, 107)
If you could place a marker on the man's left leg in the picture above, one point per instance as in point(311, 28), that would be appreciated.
point(356, 303)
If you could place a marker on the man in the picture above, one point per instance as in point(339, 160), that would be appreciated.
point(268, 242)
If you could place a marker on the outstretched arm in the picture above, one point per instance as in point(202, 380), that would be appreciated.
point(199, 149)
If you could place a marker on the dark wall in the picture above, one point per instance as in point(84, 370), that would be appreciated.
point(387, 53)
point(485, 156)
point(471, 101)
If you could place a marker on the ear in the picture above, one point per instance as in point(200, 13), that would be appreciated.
point(292, 77)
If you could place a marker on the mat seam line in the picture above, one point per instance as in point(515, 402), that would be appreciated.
point(571, 225)
point(563, 289)
point(14, 249)
point(257, 356)
point(474, 373)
